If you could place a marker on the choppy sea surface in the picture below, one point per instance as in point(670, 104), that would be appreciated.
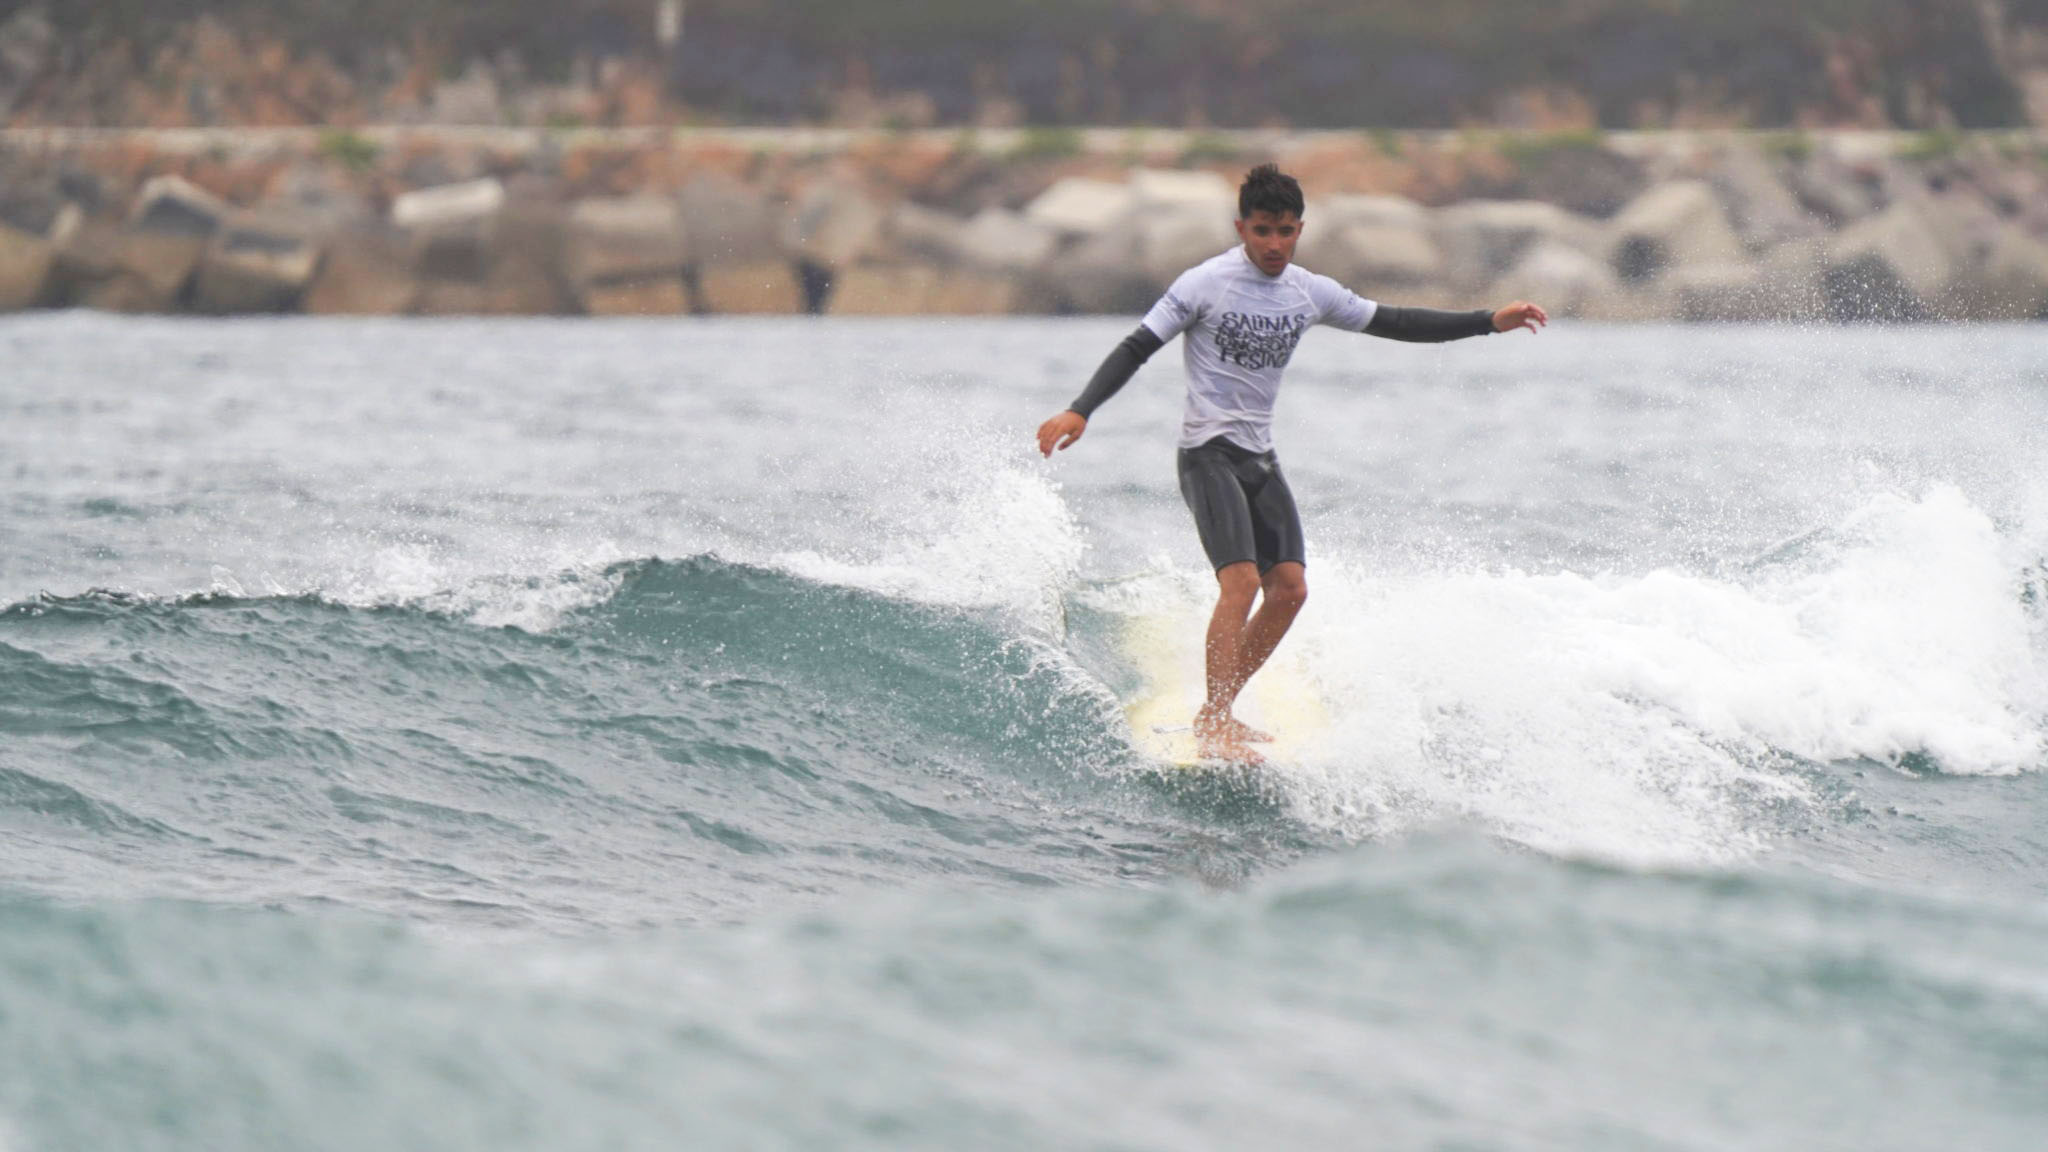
point(708, 734)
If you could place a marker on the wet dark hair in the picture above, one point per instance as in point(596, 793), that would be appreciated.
point(1268, 189)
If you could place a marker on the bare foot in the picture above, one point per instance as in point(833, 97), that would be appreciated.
point(1225, 738)
point(1247, 733)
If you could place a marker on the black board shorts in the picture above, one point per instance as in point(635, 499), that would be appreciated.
point(1243, 508)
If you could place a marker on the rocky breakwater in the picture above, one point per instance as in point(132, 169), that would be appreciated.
point(1722, 227)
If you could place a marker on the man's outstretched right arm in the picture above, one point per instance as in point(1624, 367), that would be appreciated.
point(1116, 371)
point(1118, 367)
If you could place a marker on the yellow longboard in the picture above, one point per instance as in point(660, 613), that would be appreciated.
point(1167, 653)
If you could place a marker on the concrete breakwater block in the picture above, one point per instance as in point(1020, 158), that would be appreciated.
point(833, 226)
point(1673, 225)
point(919, 290)
point(467, 204)
point(24, 268)
point(1565, 279)
point(1173, 190)
point(660, 297)
point(1760, 205)
point(101, 266)
point(251, 270)
point(1103, 274)
point(1891, 266)
point(365, 272)
point(1002, 241)
point(725, 220)
point(614, 240)
point(750, 287)
point(1482, 239)
point(1080, 207)
point(453, 228)
point(517, 269)
point(172, 206)
point(2009, 280)
point(1170, 243)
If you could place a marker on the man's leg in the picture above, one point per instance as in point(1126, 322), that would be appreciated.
point(1286, 589)
point(1237, 586)
point(1236, 648)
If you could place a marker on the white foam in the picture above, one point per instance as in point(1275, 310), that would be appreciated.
point(957, 515)
point(558, 581)
point(1649, 718)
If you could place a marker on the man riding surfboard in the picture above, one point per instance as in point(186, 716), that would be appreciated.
point(1243, 312)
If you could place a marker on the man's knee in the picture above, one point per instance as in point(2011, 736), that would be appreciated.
point(1238, 582)
point(1287, 584)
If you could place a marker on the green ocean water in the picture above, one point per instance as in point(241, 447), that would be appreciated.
point(709, 734)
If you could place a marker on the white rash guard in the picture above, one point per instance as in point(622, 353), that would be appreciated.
point(1241, 327)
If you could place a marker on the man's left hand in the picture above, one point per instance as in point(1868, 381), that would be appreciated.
point(1520, 314)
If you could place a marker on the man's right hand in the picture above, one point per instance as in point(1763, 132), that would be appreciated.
point(1061, 431)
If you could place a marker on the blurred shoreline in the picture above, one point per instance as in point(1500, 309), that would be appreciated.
point(1696, 225)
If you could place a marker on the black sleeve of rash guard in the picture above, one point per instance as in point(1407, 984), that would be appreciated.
point(1116, 371)
point(1428, 325)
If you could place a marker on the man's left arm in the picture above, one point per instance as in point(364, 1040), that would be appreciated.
point(1434, 326)
point(1343, 308)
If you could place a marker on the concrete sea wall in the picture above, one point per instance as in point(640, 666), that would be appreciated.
point(1707, 226)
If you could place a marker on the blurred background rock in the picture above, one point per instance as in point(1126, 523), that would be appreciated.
point(1621, 159)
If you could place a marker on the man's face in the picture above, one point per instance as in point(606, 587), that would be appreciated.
point(1269, 239)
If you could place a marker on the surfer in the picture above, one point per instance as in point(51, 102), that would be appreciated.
point(1243, 313)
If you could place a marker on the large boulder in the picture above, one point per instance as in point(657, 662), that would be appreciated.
point(916, 232)
point(1081, 207)
point(1994, 264)
point(2006, 278)
point(366, 272)
point(1761, 207)
point(255, 270)
point(153, 274)
point(37, 205)
point(1789, 279)
point(103, 267)
point(453, 228)
point(1100, 274)
point(1347, 209)
point(1673, 225)
point(1563, 278)
point(83, 259)
point(919, 290)
point(470, 204)
point(833, 226)
point(1482, 239)
point(964, 292)
point(1583, 176)
point(1833, 189)
point(25, 262)
point(320, 193)
point(1181, 219)
point(1372, 258)
point(883, 290)
point(172, 206)
point(516, 290)
point(1891, 266)
point(1173, 190)
point(1170, 243)
point(616, 245)
point(520, 272)
point(750, 287)
point(663, 296)
point(1720, 293)
point(725, 220)
point(1372, 243)
point(1000, 241)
